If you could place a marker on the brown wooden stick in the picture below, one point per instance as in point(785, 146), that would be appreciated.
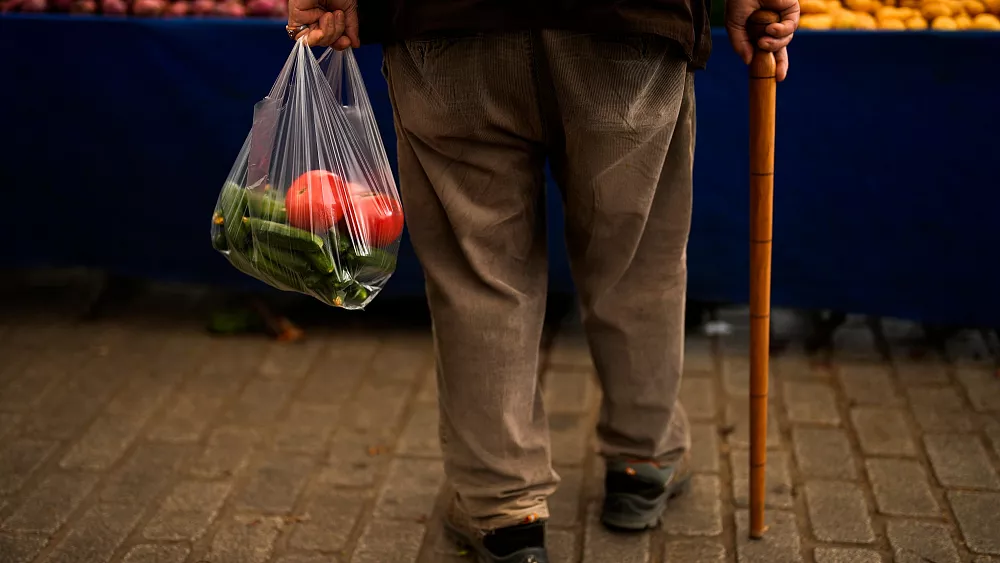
point(763, 90)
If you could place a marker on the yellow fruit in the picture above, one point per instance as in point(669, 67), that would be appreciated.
point(905, 13)
point(845, 19)
point(934, 10)
point(890, 2)
point(986, 22)
point(944, 23)
point(993, 6)
point(862, 5)
point(891, 24)
point(962, 21)
point(867, 21)
point(974, 7)
point(916, 22)
point(816, 21)
point(813, 7)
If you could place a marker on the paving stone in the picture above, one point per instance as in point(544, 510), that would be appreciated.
point(823, 452)
point(48, 507)
point(356, 459)
point(926, 372)
point(290, 362)
point(568, 435)
point(941, 409)
point(334, 384)
point(779, 545)
point(145, 474)
point(882, 431)
point(148, 553)
point(567, 391)
point(736, 377)
point(389, 540)
point(838, 512)
point(306, 429)
point(698, 512)
point(992, 429)
point(698, 397)
point(410, 489)
point(8, 422)
point(189, 415)
point(402, 358)
point(20, 459)
point(855, 341)
point(778, 484)
point(845, 555)
point(901, 488)
point(692, 551)
point(420, 436)
point(601, 545)
point(428, 394)
point(26, 391)
point(114, 431)
point(307, 558)
point(73, 405)
point(97, 534)
point(978, 516)
point(982, 386)
point(561, 545)
point(918, 542)
point(260, 402)
point(564, 504)
point(704, 448)
point(867, 384)
point(245, 539)
point(20, 548)
point(985, 559)
point(275, 483)
point(738, 425)
point(188, 510)
point(227, 452)
point(377, 408)
point(811, 402)
point(960, 460)
point(328, 519)
point(569, 350)
point(698, 356)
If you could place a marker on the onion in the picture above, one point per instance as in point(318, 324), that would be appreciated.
point(84, 7)
point(231, 8)
point(149, 7)
point(114, 7)
point(203, 7)
point(264, 8)
point(179, 8)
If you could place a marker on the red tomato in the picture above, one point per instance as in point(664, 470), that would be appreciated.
point(375, 218)
point(358, 190)
point(313, 201)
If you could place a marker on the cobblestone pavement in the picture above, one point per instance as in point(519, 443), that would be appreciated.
point(142, 439)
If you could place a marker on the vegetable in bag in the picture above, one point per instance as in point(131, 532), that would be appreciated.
point(310, 204)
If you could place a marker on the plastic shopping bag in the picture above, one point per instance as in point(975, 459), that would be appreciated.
point(310, 204)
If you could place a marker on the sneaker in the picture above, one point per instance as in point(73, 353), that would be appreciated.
point(636, 492)
point(522, 543)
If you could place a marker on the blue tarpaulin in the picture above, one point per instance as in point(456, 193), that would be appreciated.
point(118, 133)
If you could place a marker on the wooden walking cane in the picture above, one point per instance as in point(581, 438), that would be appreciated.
point(763, 90)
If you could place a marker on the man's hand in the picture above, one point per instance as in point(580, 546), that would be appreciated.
point(331, 22)
point(778, 35)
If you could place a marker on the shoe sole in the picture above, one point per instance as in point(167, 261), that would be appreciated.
point(638, 514)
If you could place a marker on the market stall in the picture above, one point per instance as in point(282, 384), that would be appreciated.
point(119, 132)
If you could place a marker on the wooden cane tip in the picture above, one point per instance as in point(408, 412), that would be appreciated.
point(758, 21)
point(758, 534)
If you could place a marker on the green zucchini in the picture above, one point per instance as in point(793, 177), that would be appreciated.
point(281, 235)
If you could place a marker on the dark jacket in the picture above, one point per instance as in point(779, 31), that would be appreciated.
point(684, 21)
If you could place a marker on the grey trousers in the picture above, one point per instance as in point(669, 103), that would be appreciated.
point(476, 119)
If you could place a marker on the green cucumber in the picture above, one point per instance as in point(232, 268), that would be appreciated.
point(232, 208)
point(375, 259)
point(267, 207)
point(277, 273)
point(297, 263)
point(281, 235)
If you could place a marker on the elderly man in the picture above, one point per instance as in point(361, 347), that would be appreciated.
point(485, 92)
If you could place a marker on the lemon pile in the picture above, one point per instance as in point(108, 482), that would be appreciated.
point(945, 15)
